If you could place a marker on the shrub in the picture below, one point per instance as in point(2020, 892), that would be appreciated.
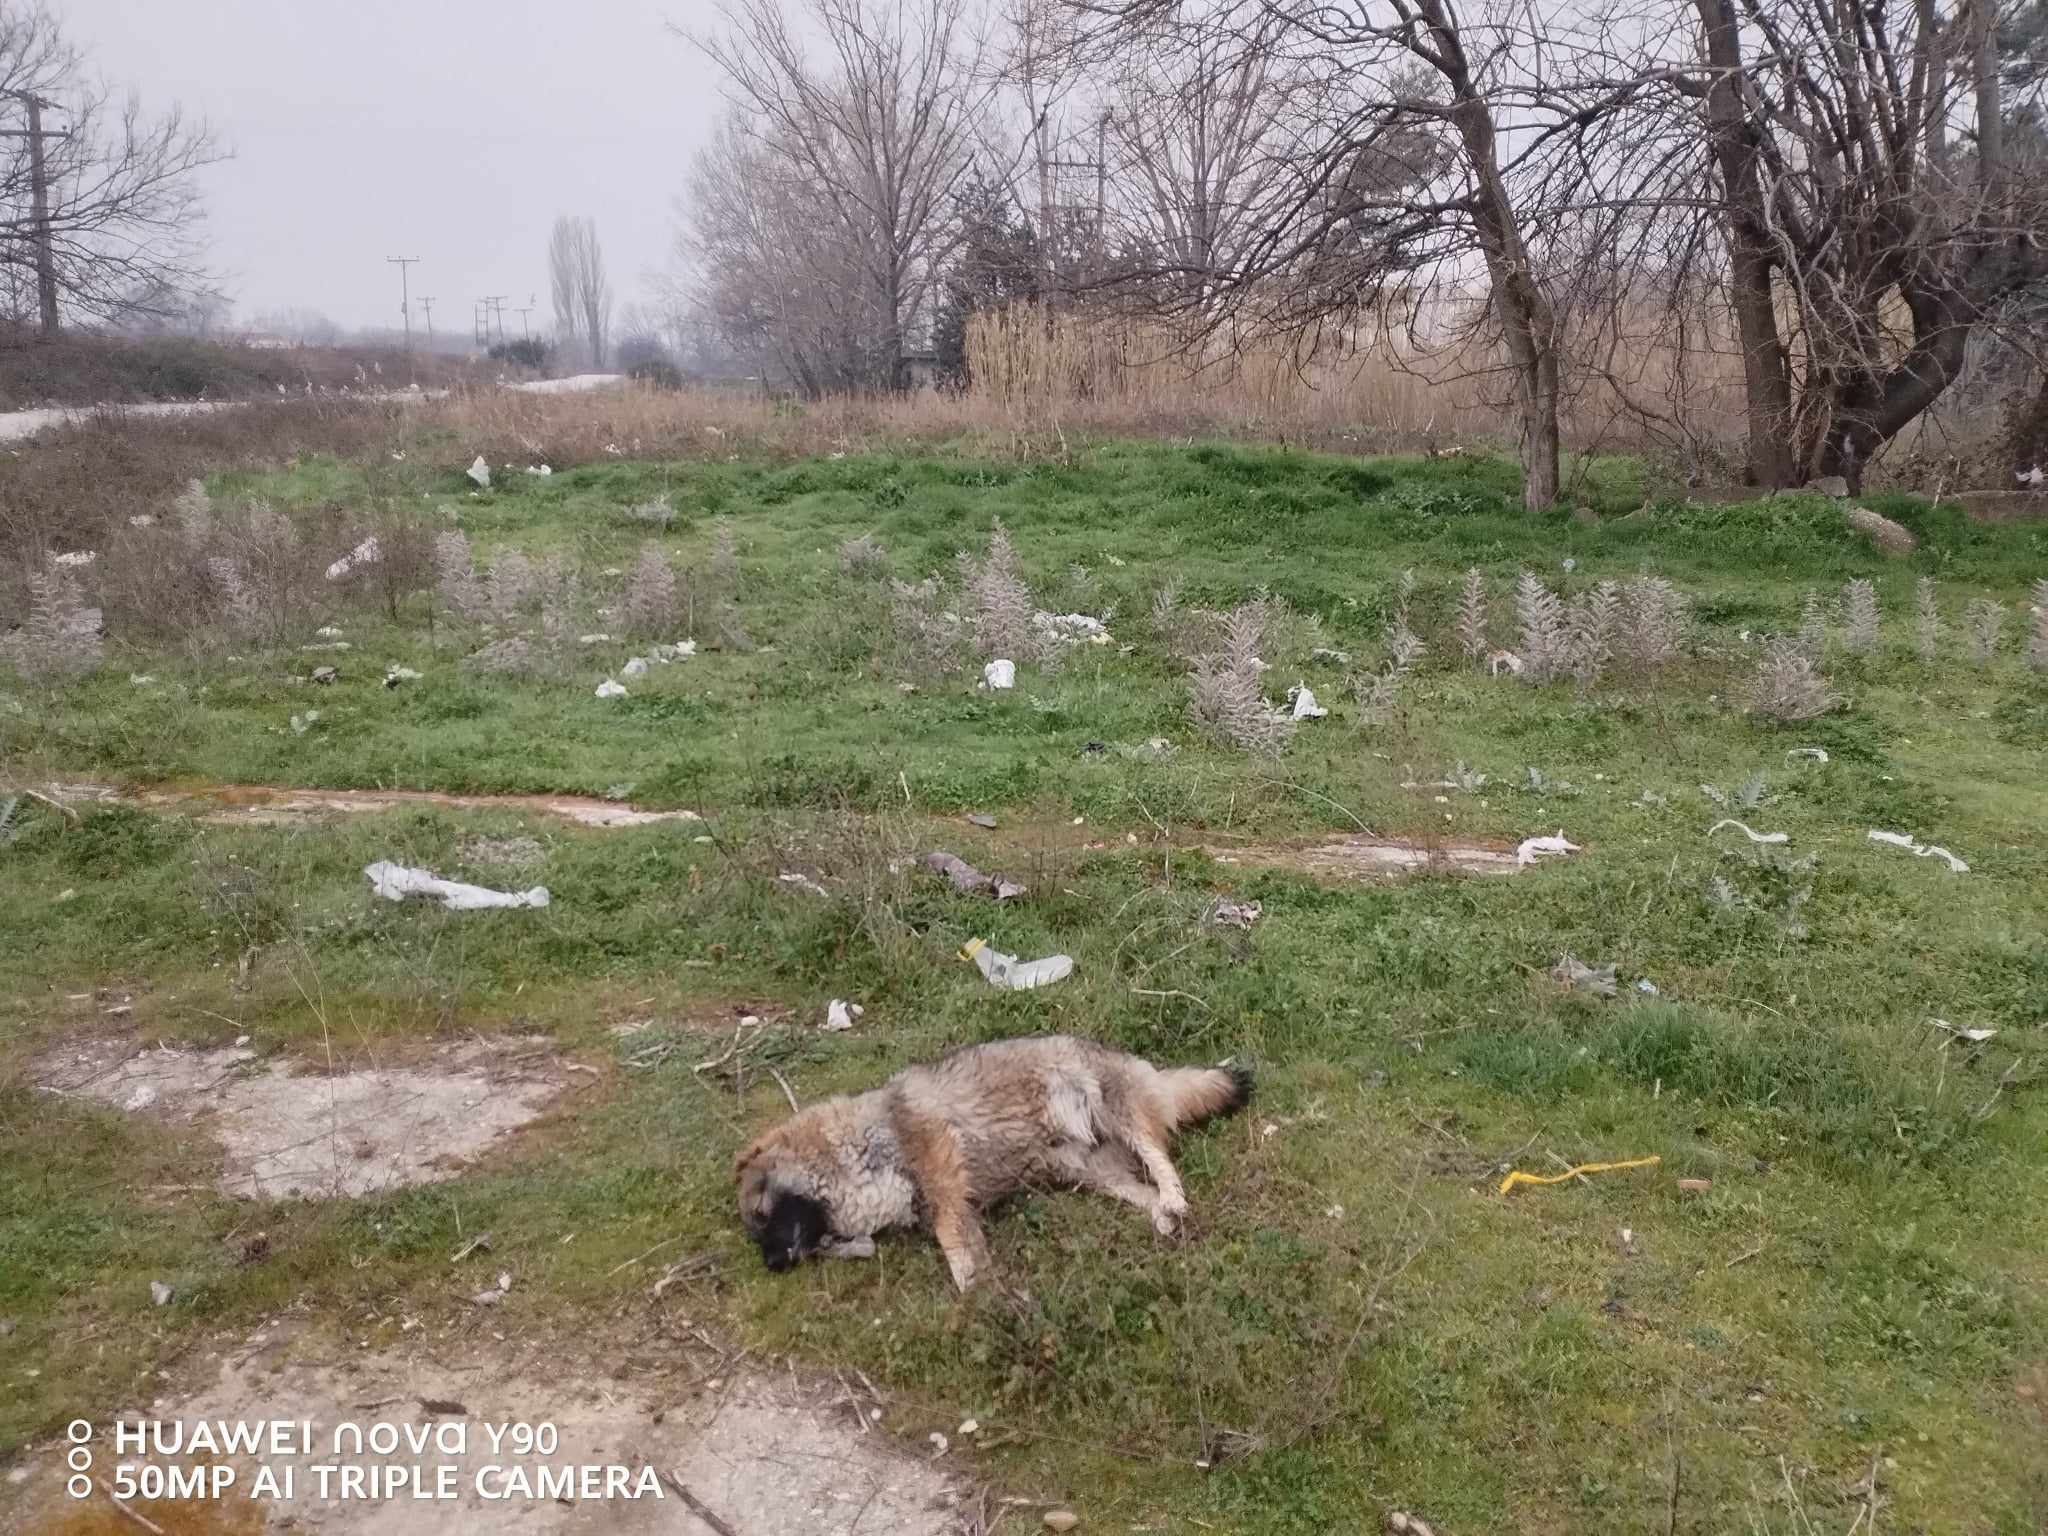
point(1787, 686)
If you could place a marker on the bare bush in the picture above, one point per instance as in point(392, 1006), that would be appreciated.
point(1540, 617)
point(511, 586)
point(926, 639)
point(239, 610)
point(193, 509)
point(1379, 693)
point(1813, 626)
point(1859, 617)
point(863, 555)
point(455, 576)
point(1788, 686)
point(1590, 625)
point(1227, 700)
point(649, 606)
point(558, 587)
point(1986, 620)
point(998, 603)
point(1926, 619)
point(1654, 618)
point(658, 512)
point(62, 634)
point(722, 605)
point(1472, 638)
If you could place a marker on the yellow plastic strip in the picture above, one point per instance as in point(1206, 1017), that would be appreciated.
point(1519, 1177)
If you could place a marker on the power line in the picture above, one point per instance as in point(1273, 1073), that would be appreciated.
point(404, 265)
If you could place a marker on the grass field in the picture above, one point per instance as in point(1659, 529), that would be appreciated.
point(1849, 1324)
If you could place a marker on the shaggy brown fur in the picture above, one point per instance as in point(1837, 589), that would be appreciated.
point(939, 1142)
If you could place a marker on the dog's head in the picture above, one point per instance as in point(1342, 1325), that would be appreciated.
point(779, 1205)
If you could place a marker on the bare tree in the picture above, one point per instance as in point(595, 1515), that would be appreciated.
point(1410, 133)
point(119, 205)
point(581, 291)
point(1843, 181)
point(867, 136)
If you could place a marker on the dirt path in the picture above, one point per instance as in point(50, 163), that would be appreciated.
point(275, 806)
point(1350, 856)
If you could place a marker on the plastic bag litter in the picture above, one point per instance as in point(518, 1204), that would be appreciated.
point(1305, 705)
point(1598, 980)
point(1000, 674)
point(1818, 754)
point(1527, 850)
point(394, 674)
point(610, 690)
point(1234, 914)
point(1972, 1036)
point(395, 882)
point(366, 553)
point(539, 469)
point(1005, 970)
point(967, 879)
point(802, 883)
point(634, 668)
point(839, 1015)
point(1753, 836)
point(1924, 850)
point(480, 472)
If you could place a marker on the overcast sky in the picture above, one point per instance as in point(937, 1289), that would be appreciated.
point(450, 130)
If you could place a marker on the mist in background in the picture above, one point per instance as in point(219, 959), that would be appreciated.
point(453, 131)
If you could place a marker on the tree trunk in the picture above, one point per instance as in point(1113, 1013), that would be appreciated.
point(1766, 371)
point(1526, 317)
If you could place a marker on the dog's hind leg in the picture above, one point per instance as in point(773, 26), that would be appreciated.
point(1145, 1133)
point(1110, 1170)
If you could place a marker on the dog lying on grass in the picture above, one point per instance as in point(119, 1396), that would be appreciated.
point(940, 1141)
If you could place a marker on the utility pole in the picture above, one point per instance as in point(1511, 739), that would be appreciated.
point(427, 304)
point(404, 263)
point(525, 330)
point(482, 324)
point(497, 304)
point(39, 198)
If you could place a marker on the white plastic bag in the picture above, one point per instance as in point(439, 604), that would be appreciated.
point(1000, 674)
point(480, 472)
point(395, 882)
point(1005, 970)
point(1530, 847)
point(1305, 705)
point(610, 690)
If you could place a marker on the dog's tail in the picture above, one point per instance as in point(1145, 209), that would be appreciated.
point(1195, 1094)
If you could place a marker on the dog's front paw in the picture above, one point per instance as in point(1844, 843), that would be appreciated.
point(1167, 1218)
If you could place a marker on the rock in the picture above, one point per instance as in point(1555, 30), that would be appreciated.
point(1061, 1519)
point(1695, 1186)
point(1829, 485)
point(1887, 535)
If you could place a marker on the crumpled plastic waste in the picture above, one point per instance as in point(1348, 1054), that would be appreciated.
point(1599, 980)
point(1305, 705)
point(480, 472)
point(366, 553)
point(1006, 971)
point(1924, 850)
point(1528, 849)
point(1000, 674)
point(969, 880)
point(840, 1014)
point(395, 882)
point(1744, 829)
point(610, 690)
point(1234, 914)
